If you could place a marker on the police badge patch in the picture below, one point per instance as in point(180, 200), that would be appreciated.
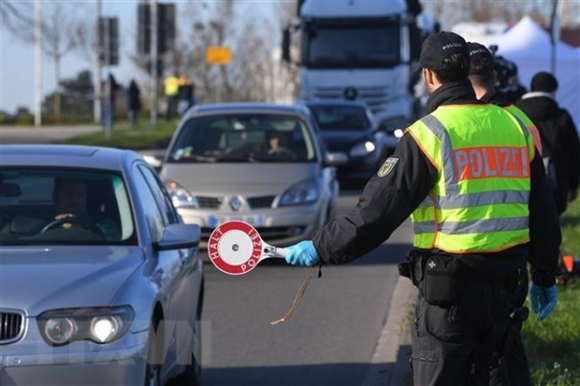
point(387, 166)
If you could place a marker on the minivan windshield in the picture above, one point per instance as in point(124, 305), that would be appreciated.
point(341, 117)
point(243, 137)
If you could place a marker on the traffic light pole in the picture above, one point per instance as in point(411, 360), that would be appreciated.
point(154, 63)
point(97, 69)
point(38, 63)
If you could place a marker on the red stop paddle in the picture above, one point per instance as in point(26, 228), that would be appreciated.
point(236, 248)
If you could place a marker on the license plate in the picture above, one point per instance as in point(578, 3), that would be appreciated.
point(254, 220)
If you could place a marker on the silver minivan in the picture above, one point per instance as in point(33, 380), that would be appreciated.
point(255, 162)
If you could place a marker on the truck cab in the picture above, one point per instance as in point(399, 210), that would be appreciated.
point(362, 49)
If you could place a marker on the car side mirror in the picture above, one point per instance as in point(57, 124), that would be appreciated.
point(179, 236)
point(155, 162)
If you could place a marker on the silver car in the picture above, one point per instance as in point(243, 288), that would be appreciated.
point(256, 162)
point(100, 279)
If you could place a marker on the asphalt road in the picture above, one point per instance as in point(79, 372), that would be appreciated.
point(332, 338)
point(345, 332)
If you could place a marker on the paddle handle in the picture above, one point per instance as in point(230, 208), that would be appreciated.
point(271, 251)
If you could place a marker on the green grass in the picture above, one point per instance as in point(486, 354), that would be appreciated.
point(142, 136)
point(553, 345)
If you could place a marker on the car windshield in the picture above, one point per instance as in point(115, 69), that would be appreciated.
point(44, 205)
point(341, 117)
point(243, 137)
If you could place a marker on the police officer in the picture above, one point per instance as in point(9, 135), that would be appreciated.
point(483, 78)
point(171, 90)
point(480, 204)
point(511, 366)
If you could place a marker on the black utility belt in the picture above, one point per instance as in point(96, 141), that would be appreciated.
point(440, 277)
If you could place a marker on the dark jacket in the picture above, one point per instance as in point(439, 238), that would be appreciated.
point(133, 97)
point(559, 141)
point(386, 202)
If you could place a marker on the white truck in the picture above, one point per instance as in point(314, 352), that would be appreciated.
point(362, 49)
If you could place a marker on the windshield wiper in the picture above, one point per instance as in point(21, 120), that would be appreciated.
point(194, 158)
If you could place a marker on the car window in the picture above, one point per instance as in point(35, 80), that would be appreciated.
point(64, 206)
point(341, 117)
point(161, 197)
point(244, 137)
point(151, 210)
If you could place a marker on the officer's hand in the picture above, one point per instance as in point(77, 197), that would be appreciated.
point(303, 254)
point(543, 300)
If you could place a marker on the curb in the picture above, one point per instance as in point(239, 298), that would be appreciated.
point(389, 361)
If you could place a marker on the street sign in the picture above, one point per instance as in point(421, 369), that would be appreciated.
point(236, 248)
point(218, 55)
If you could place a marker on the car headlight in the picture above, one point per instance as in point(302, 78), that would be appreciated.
point(180, 196)
point(362, 149)
point(305, 192)
point(100, 325)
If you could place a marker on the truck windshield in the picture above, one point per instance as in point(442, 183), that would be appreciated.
point(352, 47)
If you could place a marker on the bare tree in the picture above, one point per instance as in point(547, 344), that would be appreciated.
point(62, 31)
point(450, 12)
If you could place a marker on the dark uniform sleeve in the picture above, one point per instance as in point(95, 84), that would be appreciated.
point(545, 235)
point(385, 203)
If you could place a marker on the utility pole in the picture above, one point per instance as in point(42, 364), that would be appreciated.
point(38, 63)
point(555, 26)
point(97, 68)
point(154, 63)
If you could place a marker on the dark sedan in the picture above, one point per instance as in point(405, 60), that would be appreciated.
point(349, 127)
point(100, 279)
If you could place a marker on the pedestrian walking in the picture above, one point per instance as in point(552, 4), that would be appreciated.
point(109, 87)
point(171, 96)
point(468, 175)
point(510, 364)
point(186, 91)
point(133, 102)
point(560, 143)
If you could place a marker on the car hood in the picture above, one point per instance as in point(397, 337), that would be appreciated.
point(36, 279)
point(248, 178)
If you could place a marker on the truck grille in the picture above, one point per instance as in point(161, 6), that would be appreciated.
point(11, 326)
point(375, 96)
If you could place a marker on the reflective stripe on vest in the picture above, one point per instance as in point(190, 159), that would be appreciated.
point(480, 200)
point(529, 125)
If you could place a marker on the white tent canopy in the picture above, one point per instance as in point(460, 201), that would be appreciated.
point(529, 46)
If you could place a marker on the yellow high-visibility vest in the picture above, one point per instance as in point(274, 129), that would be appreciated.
point(480, 200)
point(171, 86)
point(528, 123)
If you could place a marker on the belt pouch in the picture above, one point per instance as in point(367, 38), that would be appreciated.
point(440, 285)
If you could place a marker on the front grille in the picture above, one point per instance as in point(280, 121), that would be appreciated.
point(11, 326)
point(209, 202)
point(375, 96)
point(266, 233)
point(260, 202)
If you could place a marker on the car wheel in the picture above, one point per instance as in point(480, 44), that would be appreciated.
point(190, 376)
point(153, 369)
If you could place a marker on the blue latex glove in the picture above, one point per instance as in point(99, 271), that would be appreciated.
point(303, 254)
point(543, 300)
